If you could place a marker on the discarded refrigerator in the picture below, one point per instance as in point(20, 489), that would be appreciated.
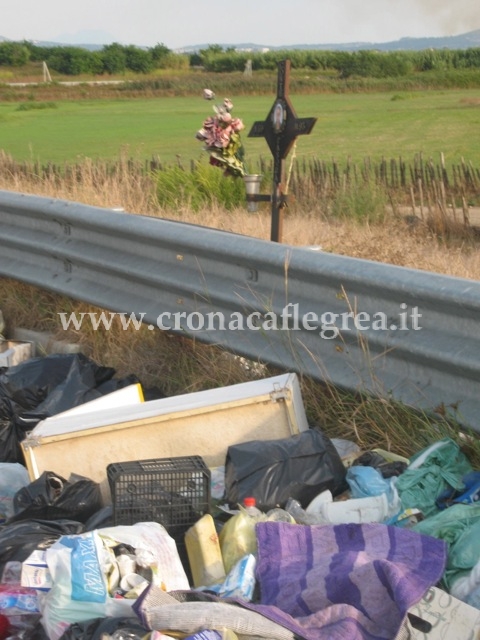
point(203, 424)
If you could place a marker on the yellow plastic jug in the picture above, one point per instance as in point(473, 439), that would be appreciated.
point(204, 554)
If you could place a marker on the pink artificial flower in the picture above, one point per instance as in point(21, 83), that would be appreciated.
point(225, 117)
point(237, 124)
point(209, 122)
point(223, 137)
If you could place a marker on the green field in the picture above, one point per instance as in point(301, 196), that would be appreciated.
point(349, 125)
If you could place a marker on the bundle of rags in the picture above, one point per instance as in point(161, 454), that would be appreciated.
point(317, 583)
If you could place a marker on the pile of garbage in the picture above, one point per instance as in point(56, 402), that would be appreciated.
point(295, 537)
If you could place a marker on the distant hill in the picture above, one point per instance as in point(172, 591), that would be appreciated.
point(46, 43)
point(462, 41)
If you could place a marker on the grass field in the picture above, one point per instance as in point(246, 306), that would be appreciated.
point(357, 125)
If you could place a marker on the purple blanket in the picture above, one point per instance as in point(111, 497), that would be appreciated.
point(347, 581)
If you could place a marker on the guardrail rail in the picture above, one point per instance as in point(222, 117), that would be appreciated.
point(133, 263)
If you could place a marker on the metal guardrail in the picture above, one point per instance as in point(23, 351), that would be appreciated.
point(132, 263)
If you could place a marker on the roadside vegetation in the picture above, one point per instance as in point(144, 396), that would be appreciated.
point(391, 172)
point(117, 59)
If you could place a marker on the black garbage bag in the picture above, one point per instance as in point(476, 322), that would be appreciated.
point(101, 519)
point(18, 540)
point(378, 462)
point(11, 434)
point(272, 471)
point(51, 497)
point(31, 382)
point(113, 384)
point(37, 632)
point(79, 385)
point(97, 628)
point(42, 387)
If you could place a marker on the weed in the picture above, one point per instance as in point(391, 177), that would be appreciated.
point(203, 187)
point(30, 106)
point(363, 201)
point(176, 365)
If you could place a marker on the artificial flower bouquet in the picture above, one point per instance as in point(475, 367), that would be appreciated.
point(221, 135)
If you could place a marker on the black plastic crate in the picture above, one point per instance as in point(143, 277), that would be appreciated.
point(172, 491)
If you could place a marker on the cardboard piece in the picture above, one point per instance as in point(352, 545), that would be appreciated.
point(449, 617)
point(127, 396)
point(204, 423)
point(35, 571)
point(13, 352)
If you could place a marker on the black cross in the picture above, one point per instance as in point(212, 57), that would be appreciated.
point(280, 129)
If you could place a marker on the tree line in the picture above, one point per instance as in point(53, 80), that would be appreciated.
point(73, 60)
point(117, 59)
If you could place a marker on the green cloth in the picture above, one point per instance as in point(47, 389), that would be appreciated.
point(459, 527)
point(443, 467)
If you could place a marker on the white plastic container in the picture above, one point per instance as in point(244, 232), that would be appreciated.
point(356, 510)
point(314, 507)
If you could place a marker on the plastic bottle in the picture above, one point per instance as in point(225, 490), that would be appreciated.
point(237, 537)
point(250, 505)
point(280, 515)
point(294, 508)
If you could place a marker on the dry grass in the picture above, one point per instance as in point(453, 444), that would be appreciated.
point(375, 422)
point(91, 184)
point(176, 365)
point(422, 245)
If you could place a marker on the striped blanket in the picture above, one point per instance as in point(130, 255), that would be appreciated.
point(347, 581)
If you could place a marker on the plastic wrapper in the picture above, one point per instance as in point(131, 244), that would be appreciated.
point(20, 606)
point(240, 581)
point(17, 600)
point(366, 482)
point(237, 538)
point(84, 576)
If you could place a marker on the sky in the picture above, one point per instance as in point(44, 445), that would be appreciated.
point(181, 23)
